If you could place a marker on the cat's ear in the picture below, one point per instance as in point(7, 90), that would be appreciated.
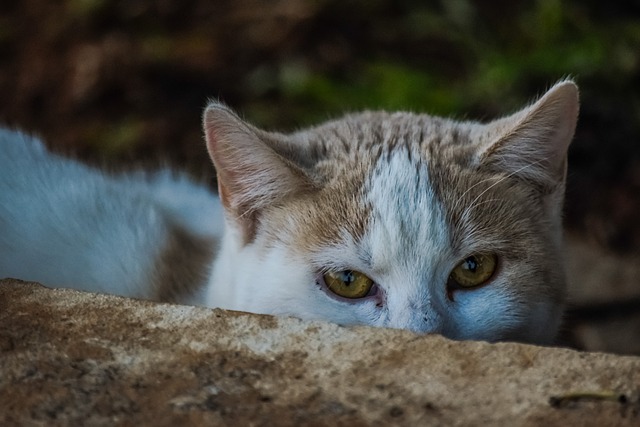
point(532, 144)
point(251, 174)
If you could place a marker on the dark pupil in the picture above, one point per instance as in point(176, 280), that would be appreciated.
point(347, 277)
point(471, 264)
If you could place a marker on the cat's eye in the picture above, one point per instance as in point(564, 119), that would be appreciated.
point(348, 283)
point(474, 270)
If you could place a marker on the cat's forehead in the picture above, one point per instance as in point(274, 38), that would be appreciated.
point(361, 140)
point(407, 219)
point(418, 179)
point(372, 129)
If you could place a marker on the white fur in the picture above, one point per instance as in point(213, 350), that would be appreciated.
point(408, 242)
point(65, 224)
point(192, 206)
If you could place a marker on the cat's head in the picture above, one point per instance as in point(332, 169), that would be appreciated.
point(399, 220)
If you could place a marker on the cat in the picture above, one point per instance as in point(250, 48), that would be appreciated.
point(397, 220)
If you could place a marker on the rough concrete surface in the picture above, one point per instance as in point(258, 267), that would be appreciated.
point(73, 358)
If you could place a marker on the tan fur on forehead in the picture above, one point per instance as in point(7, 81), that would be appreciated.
point(362, 138)
point(309, 223)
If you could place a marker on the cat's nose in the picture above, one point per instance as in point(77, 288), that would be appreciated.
point(417, 321)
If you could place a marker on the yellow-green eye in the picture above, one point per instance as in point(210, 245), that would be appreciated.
point(474, 270)
point(348, 283)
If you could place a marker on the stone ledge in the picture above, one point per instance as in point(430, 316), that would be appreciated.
point(73, 358)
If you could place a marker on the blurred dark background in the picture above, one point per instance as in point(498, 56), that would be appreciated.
point(124, 82)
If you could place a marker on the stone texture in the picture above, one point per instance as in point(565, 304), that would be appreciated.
point(72, 358)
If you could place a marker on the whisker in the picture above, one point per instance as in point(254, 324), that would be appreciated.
point(459, 201)
point(502, 179)
point(470, 208)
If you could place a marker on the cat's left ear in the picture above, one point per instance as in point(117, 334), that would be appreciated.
point(252, 174)
point(532, 144)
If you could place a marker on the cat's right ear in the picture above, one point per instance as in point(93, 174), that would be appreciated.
point(251, 174)
point(533, 142)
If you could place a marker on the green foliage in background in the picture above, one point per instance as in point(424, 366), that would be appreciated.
point(456, 56)
point(127, 78)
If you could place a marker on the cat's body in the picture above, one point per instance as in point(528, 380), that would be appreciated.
point(396, 220)
point(65, 224)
